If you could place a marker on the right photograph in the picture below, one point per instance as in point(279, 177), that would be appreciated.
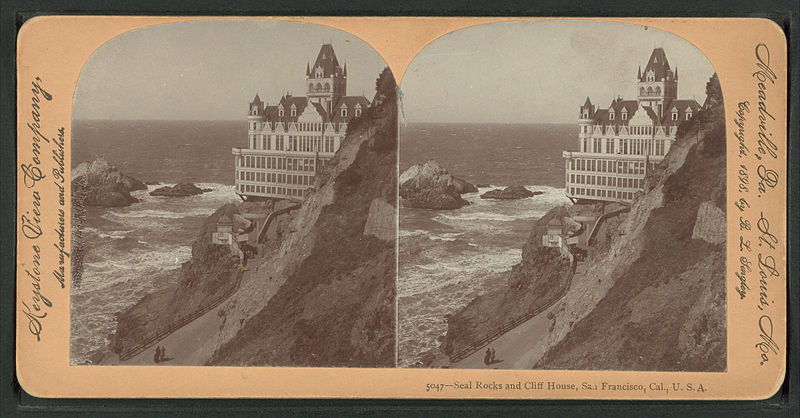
point(562, 201)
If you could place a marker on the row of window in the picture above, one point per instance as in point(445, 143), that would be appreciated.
point(609, 181)
point(342, 112)
point(319, 88)
point(650, 91)
point(281, 178)
point(277, 163)
point(271, 190)
point(589, 192)
point(607, 166)
point(302, 126)
point(302, 143)
point(626, 146)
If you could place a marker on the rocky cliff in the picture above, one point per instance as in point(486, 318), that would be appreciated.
point(329, 298)
point(650, 294)
point(431, 186)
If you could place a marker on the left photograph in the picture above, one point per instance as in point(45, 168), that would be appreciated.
point(234, 199)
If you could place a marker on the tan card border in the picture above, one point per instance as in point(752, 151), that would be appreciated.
point(54, 49)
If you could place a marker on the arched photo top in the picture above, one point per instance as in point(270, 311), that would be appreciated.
point(212, 69)
point(541, 71)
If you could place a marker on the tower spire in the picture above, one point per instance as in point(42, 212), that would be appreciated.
point(308, 70)
point(640, 72)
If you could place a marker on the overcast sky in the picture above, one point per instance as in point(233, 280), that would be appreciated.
point(210, 70)
point(539, 72)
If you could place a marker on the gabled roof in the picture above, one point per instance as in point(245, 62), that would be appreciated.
point(683, 107)
point(617, 105)
point(350, 103)
point(554, 222)
point(321, 111)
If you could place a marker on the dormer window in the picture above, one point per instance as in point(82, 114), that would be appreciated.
point(611, 115)
point(651, 76)
point(294, 112)
point(688, 115)
point(280, 112)
point(624, 115)
point(674, 115)
point(344, 112)
point(358, 112)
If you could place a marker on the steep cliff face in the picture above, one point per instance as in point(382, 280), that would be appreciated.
point(334, 302)
point(650, 294)
point(662, 306)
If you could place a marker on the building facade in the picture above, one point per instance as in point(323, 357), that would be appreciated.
point(620, 144)
point(289, 142)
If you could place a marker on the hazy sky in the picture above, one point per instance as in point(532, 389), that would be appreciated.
point(539, 72)
point(210, 70)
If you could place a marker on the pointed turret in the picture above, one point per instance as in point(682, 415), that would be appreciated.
point(345, 69)
point(587, 110)
point(640, 73)
point(676, 73)
point(308, 69)
point(256, 107)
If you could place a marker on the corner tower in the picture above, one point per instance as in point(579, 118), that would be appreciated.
point(326, 80)
point(255, 119)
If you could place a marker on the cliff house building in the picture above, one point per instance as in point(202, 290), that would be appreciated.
point(289, 142)
point(620, 144)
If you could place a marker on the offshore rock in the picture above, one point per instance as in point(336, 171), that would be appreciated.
point(99, 183)
point(431, 186)
point(510, 192)
point(179, 190)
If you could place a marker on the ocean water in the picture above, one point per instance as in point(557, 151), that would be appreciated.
point(135, 250)
point(447, 258)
